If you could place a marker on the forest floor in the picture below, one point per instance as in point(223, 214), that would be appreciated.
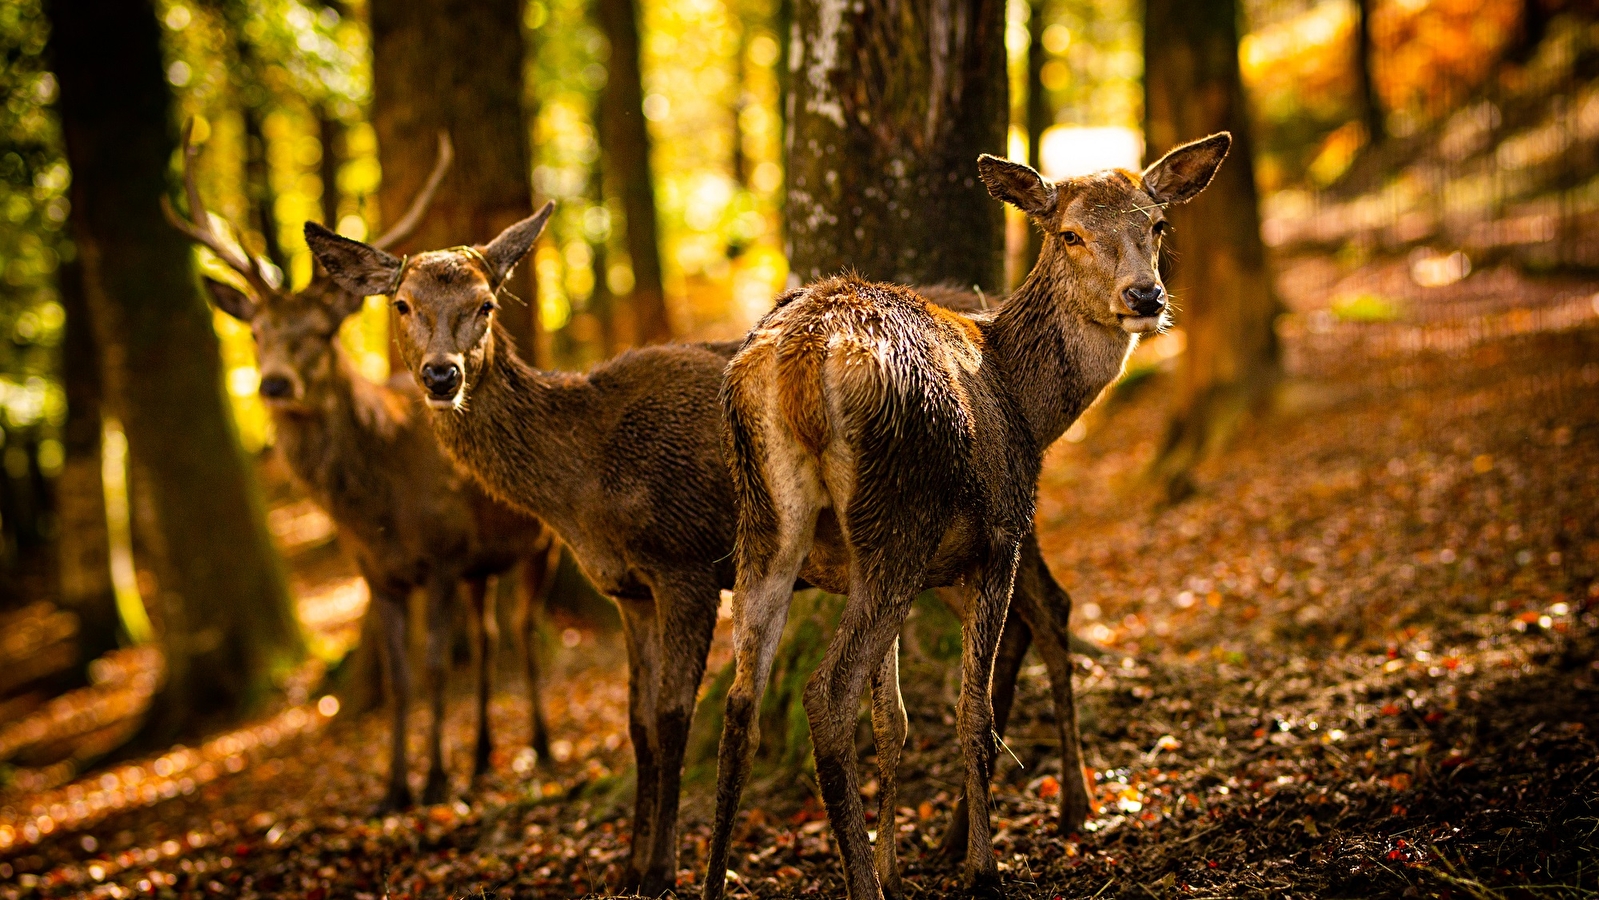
point(1363, 660)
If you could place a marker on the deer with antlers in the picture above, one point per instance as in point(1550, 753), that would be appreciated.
point(882, 445)
point(367, 455)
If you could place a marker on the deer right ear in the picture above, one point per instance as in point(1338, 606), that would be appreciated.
point(506, 250)
point(361, 269)
point(229, 299)
point(1017, 184)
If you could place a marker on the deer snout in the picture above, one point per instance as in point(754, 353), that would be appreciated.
point(441, 379)
point(1146, 299)
point(276, 387)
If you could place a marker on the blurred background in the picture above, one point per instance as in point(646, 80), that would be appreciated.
point(1397, 146)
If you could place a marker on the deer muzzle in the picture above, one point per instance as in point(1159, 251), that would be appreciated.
point(441, 379)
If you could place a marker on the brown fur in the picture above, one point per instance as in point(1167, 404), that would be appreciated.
point(936, 427)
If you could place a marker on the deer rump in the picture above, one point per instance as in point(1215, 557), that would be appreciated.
point(877, 382)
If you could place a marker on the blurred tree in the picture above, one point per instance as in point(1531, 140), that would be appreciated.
point(1039, 116)
point(625, 149)
point(1221, 284)
point(457, 66)
point(1365, 75)
point(229, 622)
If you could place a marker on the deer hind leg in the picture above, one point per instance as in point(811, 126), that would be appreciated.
point(641, 634)
point(889, 728)
point(867, 632)
point(1013, 643)
point(974, 713)
point(687, 614)
point(1046, 607)
point(767, 570)
point(440, 592)
point(390, 609)
point(537, 580)
point(486, 628)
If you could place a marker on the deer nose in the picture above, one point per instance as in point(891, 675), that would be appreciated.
point(276, 387)
point(441, 379)
point(1145, 299)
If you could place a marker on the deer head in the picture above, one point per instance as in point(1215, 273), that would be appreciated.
point(444, 300)
point(1102, 232)
point(293, 330)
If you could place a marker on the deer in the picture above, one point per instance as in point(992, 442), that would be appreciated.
point(882, 445)
point(626, 464)
point(408, 518)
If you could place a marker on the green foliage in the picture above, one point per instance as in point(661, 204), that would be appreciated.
point(1365, 307)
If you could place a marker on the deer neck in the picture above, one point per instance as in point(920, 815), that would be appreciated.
point(520, 432)
point(1057, 361)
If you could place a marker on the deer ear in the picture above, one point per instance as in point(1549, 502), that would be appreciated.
point(229, 299)
point(1181, 174)
point(361, 269)
point(506, 250)
point(1017, 184)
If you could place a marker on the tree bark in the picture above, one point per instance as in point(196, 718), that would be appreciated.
point(84, 541)
point(1223, 288)
point(330, 133)
point(1371, 112)
point(457, 65)
point(625, 149)
point(891, 105)
point(1040, 115)
point(229, 621)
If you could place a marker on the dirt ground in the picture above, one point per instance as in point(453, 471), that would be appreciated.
point(1362, 661)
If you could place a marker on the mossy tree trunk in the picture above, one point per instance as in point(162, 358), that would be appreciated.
point(1220, 281)
point(457, 66)
point(229, 623)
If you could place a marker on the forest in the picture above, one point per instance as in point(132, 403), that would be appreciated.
point(436, 459)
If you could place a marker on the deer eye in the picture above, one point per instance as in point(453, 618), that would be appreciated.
point(487, 307)
point(401, 307)
point(1072, 238)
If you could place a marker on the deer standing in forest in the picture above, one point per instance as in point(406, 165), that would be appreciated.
point(626, 464)
point(882, 445)
point(409, 518)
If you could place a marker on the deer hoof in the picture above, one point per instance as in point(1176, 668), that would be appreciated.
point(985, 886)
point(654, 884)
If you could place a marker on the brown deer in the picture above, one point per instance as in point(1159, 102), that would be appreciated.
point(410, 520)
point(626, 464)
point(882, 445)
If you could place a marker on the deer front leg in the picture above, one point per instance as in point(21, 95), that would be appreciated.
point(487, 631)
point(640, 633)
point(687, 614)
point(537, 580)
point(1013, 643)
point(440, 592)
point(974, 714)
point(889, 728)
point(389, 606)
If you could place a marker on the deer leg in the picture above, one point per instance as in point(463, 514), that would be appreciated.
point(1046, 607)
point(687, 615)
point(889, 728)
point(538, 578)
point(487, 632)
point(866, 632)
point(1013, 642)
point(974, 713)
point(639, 631)
point(761, 601)
point(440, 593)
point(390, 609)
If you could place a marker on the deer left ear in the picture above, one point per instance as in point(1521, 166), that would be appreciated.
point(1181, 174)
point(1017, 184)
point(506, 250)
point(360, 269)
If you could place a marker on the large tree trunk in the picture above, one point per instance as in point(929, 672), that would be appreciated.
point(1193, 88)
point(84, 543)
point(457, 66)
point(891, 104)
point(229, 621)
point(625, 148)
point(1365, 77)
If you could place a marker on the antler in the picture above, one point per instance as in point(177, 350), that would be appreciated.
point(419, 206)
point(198, 226)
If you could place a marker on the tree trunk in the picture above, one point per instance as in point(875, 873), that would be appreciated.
point(229, 621)
point(1365, 76)
point(1040, 115)
point(457, 66)
point(330, 133)
point(1193, 88)
point(892, 103)
point(84, 541)
point(625, 147)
